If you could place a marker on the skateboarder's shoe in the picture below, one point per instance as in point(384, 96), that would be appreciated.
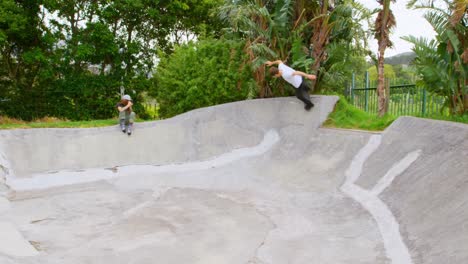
point(122, 125)
point(308, 107)
point(129, 129)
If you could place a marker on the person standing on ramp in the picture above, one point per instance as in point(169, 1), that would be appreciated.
point(294, 78)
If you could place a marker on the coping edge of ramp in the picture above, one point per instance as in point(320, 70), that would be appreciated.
point(395, 248)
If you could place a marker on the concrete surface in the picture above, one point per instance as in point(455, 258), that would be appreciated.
point(248, 182)
point(14, 243)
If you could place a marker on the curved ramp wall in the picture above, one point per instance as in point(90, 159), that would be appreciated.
point(196, 135)
point(429, 199)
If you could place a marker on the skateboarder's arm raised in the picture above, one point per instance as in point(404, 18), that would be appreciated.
point(303, 74)
point(277, 62)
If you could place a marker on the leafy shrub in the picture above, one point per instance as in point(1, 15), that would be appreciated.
point(202, 74)
point(82, 96)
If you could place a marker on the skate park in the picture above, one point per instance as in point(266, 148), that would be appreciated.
point(257, 181)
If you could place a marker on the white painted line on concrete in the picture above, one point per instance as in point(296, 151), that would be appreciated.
point(395, 248)
point(354, 170)
point(394, 171)
point(4, 173)
point(12, 242)
point(62, 178)
point(4, 164)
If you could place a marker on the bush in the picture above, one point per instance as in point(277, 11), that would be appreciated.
point(83, 96)
point(201, 74)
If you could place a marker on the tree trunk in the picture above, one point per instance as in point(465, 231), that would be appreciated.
point(383, 41)
point(381, 87)
point(319, 40)
point(465, 98)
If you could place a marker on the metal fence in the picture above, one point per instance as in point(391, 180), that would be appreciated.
point(405, 99)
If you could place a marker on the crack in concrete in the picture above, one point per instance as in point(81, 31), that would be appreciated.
point(255, 259)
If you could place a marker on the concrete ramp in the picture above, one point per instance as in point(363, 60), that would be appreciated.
point(248, 182)
point(429, 196)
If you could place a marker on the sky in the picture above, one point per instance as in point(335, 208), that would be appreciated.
point(409, 22)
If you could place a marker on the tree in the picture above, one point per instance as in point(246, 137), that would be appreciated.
point(300, 32)
point(383, 25)
point(24, 65)
point(266, 31)
point(68, 58)
point(442, 63)
point(347, 48)
point(322, 27)
point(201, 74)
point(193, 18)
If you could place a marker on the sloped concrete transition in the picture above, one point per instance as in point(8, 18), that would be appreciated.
point(247, 182)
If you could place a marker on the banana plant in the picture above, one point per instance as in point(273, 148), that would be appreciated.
point(442, 63)
point(265, 27)
point(299, 32)
point(384, 23)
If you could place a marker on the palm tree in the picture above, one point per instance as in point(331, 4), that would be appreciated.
point(347, 45)
point(266, 31)
point(443, 63)
point(383, 25)
point(322, 27)
point(301, 32)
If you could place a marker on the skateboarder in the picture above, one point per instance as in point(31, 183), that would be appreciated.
point(294, 78)
point(126, 114)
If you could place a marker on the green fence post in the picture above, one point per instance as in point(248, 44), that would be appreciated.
point(366, 106)
point(424, 102)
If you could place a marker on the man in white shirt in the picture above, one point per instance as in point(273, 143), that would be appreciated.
point(294, 78)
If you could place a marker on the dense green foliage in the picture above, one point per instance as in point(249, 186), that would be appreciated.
point(69, 58)
point(204, 73)
point(320, 37)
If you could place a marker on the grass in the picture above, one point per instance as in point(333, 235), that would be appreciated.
point(50, 122)
point(456, 118)
point(347, 116)
point(350, 117)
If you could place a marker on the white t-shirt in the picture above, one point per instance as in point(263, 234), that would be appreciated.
point(286, 73)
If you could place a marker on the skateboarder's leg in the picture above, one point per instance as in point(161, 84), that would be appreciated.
point(131, 120)
point(122, 121)
point(303, 95)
